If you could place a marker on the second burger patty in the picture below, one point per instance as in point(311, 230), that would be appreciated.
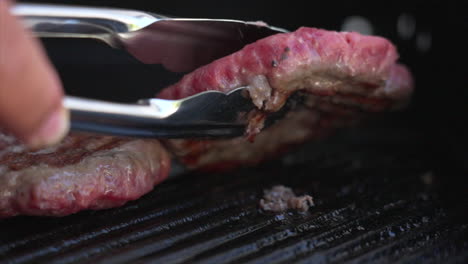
point(339, 75)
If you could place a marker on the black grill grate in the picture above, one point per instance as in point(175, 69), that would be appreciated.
point(375, 203)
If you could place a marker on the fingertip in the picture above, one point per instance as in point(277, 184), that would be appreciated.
point(51, 131)
point(30, 89)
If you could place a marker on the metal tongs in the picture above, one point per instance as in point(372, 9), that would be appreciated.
point(180, 44)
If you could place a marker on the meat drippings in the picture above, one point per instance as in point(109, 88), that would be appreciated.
point(280, 199)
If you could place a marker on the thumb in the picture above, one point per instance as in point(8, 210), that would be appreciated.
point(30, 91)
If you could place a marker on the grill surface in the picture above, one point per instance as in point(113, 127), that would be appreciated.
point(386, 194)
point(376, 200)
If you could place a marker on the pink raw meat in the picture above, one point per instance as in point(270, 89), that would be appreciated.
point(340, 75)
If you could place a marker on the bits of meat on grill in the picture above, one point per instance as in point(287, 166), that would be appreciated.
point(281, 198)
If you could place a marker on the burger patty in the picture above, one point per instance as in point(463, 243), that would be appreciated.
point(340, 76)
point(82, 172)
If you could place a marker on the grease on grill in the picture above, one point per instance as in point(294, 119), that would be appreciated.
point(281, 198)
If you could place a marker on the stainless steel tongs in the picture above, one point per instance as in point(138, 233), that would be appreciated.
point(180, 44)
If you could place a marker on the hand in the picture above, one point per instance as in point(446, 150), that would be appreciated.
point(30, 90)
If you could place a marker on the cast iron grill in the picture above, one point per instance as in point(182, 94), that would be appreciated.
point(376, 201)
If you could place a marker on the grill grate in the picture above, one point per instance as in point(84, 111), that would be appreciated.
point(371, 205)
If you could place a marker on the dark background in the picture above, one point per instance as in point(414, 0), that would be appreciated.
point(391, 189)
point(436, 117)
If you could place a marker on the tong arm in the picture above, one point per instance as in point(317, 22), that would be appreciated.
point(208, 114)
point(79, 21)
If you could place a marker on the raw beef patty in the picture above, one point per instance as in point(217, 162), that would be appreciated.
point(82, 172)
point(339, 77)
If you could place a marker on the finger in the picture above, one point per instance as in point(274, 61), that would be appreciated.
point(30, 91)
